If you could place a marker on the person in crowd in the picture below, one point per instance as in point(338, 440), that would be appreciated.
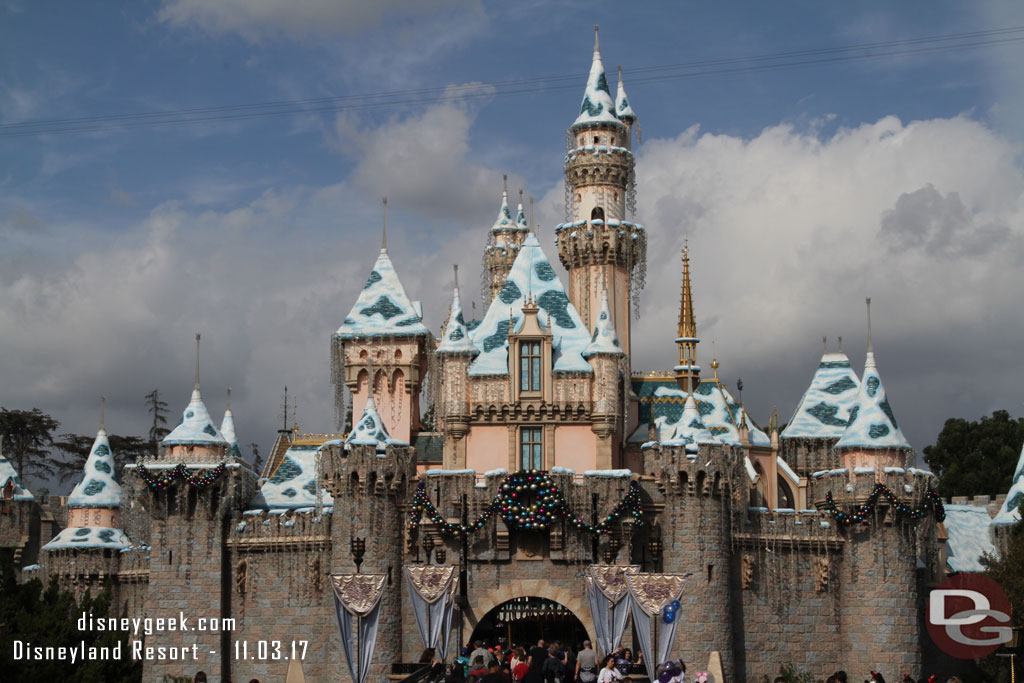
point(520, 669)
point(841, 676)
point(625, 661)
point(569, 664)
point(535, 663)
point(552, 666)
point(478, 669)
point(877, 677)
point(481, 651)
point(586, 664)
point(831, 679)
point(609, 673)
point(494, 674)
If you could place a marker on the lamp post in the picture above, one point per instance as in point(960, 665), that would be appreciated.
point(428, 546)
point(613, 545)
point(655, 547)
point(440, 555)
point(358, 548)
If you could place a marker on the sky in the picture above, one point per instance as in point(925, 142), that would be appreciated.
point(805, 178)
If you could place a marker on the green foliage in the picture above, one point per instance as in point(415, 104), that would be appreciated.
point(27, 436)
point(48, 618)
point(158, 409)
point(257, 461)
point(976, 458)
point(1005, 570)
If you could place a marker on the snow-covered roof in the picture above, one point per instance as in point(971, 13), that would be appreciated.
point(872, 423)
point(293, 483)
point(196, 426)
point(718, 410)
point(1010, 512)
point(969, 537)
point(227, 430)
point(521, 218)
point(456, 337)
point(622, 108)
point(382, 308)
point(89, 537)
point(688, 430)
point(824, 409)
point(8, 473)
point(505, 221)
point(370, 430)
point(531, 276)
point(605, 339)
point(99, 487)
point(598, 106)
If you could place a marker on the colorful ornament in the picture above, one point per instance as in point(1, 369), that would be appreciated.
point(197, 478)
point(931, 500)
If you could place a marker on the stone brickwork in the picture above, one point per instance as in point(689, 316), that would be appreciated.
point(19, 530)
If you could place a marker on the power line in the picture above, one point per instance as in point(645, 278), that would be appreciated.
point(730, 66)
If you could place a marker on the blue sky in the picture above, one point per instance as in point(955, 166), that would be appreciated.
point(803, 189)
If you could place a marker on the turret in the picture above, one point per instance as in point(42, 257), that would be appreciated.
point(227, 429)
point(386, 328)
point(503, 242)
point(604, 353)
point(599, 180)
point(455, 352)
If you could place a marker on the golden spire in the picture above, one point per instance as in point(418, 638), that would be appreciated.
point(687, 372)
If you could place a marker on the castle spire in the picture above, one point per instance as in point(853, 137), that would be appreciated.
point(871, 344)
point(384, 227)
point(687, 372)
point(103, 410)
point(623, 110)
point(598, 106)
point(521, 214)
point(456, 337)
point(196, 387)
point(504, 220)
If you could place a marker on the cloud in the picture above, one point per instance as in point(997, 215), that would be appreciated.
point(295, 19)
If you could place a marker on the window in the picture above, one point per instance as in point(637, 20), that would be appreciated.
point(531, 448)
point(529, 366)
point(597, 213)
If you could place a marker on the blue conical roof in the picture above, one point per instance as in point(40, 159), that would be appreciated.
point(382, 308)
point(227, 430)
point(689, 430)
point(605, 339)
point(622, 107)
point(456, 337)
point(521, 222)
point(99, 487)
point(196, 426)
point(504, 221)
point(824, 410)
point(370, 430)
point(872, 423)
point(598, 106)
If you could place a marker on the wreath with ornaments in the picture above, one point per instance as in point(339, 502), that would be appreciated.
point(931, 501)
point(196, 478)
point(528, 500)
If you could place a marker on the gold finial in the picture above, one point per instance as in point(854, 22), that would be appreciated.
point(103, 409)
point(597, 45)
point(714, 359)
point(197, 362)
point(295, 414)
point(687, 329)
point(384, 229)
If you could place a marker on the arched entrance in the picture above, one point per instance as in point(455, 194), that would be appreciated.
point(525, 620)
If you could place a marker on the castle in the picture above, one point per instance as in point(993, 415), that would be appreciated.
point(813, 544)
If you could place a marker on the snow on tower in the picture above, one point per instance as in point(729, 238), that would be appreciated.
point(455, 352)
point(227, 429)
point(11, 487)
point(503, 242)
point(196, 438)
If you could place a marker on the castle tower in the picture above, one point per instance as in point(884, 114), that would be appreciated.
point(503, 243)
point(384, 329)
point(190, 563)
point(455, 352)
point(603, 353)
point(18, 513)
point(687, 371)
point(227, 429)
point(599, 181)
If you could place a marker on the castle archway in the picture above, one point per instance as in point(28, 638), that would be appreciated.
point(568, 595)
point(525, 620)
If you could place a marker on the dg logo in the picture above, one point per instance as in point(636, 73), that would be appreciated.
point(968, 616)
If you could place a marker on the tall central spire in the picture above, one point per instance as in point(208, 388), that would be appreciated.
point(687, 372)
point(196, 387)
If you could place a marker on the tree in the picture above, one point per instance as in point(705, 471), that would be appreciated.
point(77, 447)
point(976, 458)
point(1006, 571)
point(257, 461)
point(158, 409)
point(27, 436)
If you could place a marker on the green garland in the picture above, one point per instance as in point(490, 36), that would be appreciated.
point(179, 471)
point(931, 500)
point(528, 500)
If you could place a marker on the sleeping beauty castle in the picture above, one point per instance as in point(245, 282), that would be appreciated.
point(559, 492)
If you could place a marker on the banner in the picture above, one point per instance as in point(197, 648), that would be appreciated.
point(648, 596)
point(606, 588)
point(358, 596)
point(432, 591)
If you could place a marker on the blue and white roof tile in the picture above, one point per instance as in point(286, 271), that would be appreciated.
point(718, 410)
point(196, 426)
point(623, 110)
point(605, 339)
point(89, 537)
point(383, 309)
point(293, 484)
point(370, 430)
point(1012, 508)
point(531, 276)
point(227, 430)
point(98, 487)
point(456, 337)
point(8, 473)
point(521, 223)
point(824, 410)
point(598, 106)
point(872, 423)
point(689, 430)
point(967, 527)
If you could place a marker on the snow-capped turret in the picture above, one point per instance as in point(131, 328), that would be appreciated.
point(227, 429)
point(196, 427)
point(99, 487)
point(605, 339)
point(872, 423)
point(824, 410)
point(504, 242)
point(9, 478)
point(504, 221)
point(623, 110)
point(598, 106)
point(689, 430)
point(521, 222)
point(370, 430)
point(1013, 506)
point(456, 338)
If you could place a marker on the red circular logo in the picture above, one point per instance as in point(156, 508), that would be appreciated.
point(968, 616)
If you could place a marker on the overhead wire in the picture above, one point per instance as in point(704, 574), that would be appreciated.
point(639, 76)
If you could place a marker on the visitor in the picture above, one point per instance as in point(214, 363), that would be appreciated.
point(877, 677)
point(494, 674)
point(457, 673)
point(427, 656)
point(481, 651)
point(535, 663)
point(518, 655)
point(609, 673)
point(552, 666)
point(624, 663)
point(520, 669)
point(569, 663)
point(841, 676)
point(478, 669)
point(586, 664)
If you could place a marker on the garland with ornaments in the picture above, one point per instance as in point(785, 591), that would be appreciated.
point(931, 500)
point(528, 500)
point(197, 478)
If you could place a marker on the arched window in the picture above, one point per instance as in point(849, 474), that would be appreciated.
point(597, 213)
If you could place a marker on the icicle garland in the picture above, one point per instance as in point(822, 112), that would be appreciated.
point(179, 471)
point(528, 500)
point(931, 500)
